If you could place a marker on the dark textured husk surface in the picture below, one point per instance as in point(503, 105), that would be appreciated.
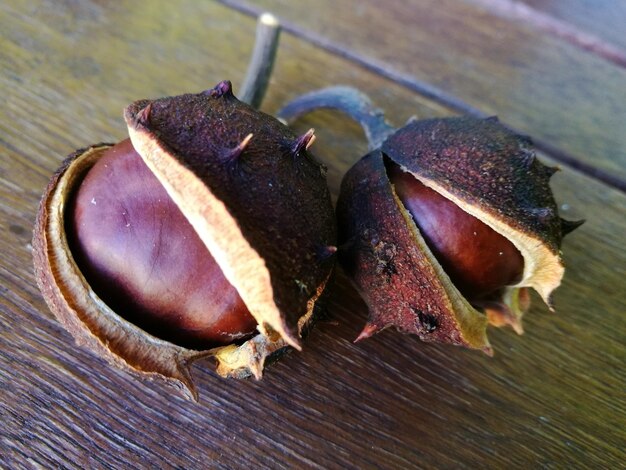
point(278, 198)
point(391, 266)
point(485, 165)
point(487, 170)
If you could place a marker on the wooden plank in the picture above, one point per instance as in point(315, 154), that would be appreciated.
point(550, 398)
point(593, 27)
point(604, 19)
point(478, 61)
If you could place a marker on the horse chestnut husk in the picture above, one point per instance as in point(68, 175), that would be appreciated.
point(209, 232)
point(446, 226)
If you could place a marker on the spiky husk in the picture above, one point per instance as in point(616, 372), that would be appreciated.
point(262, 209)
point(486, 170)
point(395, 272)
point(267, 214)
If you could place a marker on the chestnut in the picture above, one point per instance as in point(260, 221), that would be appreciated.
point(139, 252)
point(210, 223)
point(445, 224)
point(479, 261)
point(209, 231)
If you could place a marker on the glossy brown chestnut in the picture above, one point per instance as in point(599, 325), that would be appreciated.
point(210, 232)
point(479, 260)
point(144, 259)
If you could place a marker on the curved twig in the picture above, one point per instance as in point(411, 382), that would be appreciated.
point(348, 100)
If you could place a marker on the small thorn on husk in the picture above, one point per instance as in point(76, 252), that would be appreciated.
point(549, 171)
point(234, 153)
point(303, 142)
point(223, 88)
point(488, 350)
point(568, 226)
point(367, 332)
point(326, 252)
point(501, 315)
point(517, 326)
point(257, 370)
point(492, 119)
point(143, 117)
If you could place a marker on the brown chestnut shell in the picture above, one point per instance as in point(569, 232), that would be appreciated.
point(486, 170)
point(257, 200)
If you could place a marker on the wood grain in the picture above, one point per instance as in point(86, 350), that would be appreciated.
point(602, 18)
point(552, 398)
point(577, 26)
point(477, 62)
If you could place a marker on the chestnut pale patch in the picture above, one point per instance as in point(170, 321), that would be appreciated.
point(144, 259)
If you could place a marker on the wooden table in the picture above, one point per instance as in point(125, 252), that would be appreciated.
point(553, 398)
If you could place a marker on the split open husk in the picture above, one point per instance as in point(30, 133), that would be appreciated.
point(486, 170)
point(258, 201)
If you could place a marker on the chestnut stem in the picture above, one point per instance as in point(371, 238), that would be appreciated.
point(262, 60)
point(348, 100)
